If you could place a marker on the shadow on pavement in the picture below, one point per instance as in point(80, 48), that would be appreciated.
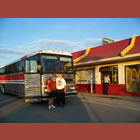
point(14, 110)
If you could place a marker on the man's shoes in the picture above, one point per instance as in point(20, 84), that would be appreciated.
point(49, 107)
point(53, 106)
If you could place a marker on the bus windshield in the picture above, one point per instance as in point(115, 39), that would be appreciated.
point(56, 63)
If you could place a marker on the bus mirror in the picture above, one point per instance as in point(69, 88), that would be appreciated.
point(39, 68)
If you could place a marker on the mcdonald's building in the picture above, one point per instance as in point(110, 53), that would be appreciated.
point(121, 60)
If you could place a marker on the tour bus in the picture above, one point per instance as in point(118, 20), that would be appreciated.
point(27, 76)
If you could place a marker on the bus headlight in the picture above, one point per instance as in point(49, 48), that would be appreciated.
point(46, 90)
point(72, 88)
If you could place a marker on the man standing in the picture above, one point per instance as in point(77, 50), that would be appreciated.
point(61, 89)
point(106, 84)
point(51, 86)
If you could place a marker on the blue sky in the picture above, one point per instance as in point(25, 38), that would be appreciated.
point(20, 36)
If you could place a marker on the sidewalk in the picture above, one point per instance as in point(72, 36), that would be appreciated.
point(130, 98)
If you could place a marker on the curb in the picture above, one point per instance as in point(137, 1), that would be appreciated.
point(130, 98)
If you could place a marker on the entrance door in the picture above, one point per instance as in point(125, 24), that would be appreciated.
point(32, 79)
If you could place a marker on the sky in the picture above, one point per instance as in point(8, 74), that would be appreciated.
point(22, 36)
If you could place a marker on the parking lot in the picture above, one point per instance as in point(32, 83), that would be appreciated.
point(83, 108)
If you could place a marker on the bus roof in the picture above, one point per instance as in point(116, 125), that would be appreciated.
point(54, 52)
point(47, 52)
point(41, 52)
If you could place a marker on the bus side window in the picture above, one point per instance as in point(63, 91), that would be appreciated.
point(20, 66)
point(31, 66)
point(2, 71)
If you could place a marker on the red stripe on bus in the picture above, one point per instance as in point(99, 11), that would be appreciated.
point(18, 76)
point(11, 80)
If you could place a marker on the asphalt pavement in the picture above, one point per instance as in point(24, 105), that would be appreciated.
point(83, 108)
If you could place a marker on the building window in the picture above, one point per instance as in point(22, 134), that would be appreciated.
point(132, 78)
point(113, 74)
point(84, 77)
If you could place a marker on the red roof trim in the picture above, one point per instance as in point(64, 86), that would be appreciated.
point(109, 50)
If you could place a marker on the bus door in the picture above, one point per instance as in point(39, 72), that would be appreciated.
point(32, 81)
